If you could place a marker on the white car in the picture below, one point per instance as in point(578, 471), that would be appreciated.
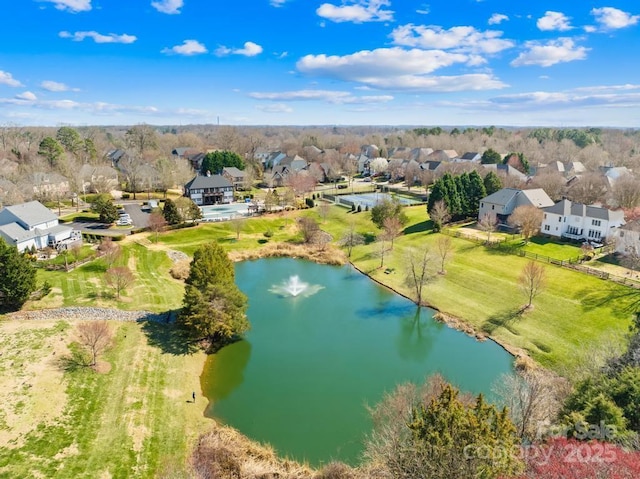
point(124, 221)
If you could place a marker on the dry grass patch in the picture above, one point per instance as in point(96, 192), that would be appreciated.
point(326, 255)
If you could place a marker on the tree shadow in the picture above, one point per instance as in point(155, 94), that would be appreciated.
point(503, 319)
point(421, 227)
point(162, 332)
point(621, 300)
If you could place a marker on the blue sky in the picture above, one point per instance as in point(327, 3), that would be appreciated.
point(315, 62)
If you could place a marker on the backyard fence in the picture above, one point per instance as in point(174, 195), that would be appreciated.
point(575, 263)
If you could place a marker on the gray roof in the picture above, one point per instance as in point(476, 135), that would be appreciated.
point(501, 197)
point(32, 213)
point(16, 233)
point(233, 171)
point(566, 208)
point(470, 155)
point(213, 181)
point(537, 197)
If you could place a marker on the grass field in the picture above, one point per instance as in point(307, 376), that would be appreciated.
point(133, 421)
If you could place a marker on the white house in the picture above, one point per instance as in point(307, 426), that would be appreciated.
point(627, 238)
point(32, 224)
point(580, 222)
point(501, 204)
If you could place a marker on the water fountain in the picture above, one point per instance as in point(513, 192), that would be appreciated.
point(294, 287)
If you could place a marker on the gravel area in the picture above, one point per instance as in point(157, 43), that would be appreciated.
point(88, 313)
point(177, 256)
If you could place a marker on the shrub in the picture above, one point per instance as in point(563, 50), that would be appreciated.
point(268, 234)
point(359, 208)
point(309, 202)
point(126, 196)
point(180, 270)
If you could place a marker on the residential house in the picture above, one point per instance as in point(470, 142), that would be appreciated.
point(46, 185)
point(32, 224)
point(273, 159)
point(363, 165)
point(576, 221)
point(371, 151)
point(236, 176)
point(502, 203)
point(627, 238)
point(98, 179)
point(471, 157)
point(114, 156)
point(442, 155)
point(209, 190)
point(613, 173)
point(431, 165)
point(507, 170)
point(420, 154)
point(195, 158)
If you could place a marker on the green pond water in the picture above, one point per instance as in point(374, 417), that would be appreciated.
point(310, 364)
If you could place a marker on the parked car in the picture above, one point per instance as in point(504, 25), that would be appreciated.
point(124, 221)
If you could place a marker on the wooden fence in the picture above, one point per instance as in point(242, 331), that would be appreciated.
point(575, 263)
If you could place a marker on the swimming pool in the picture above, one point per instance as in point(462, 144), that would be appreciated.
point(224, 212)
point(371, 199)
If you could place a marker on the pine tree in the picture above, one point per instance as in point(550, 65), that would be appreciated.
point(18, 278)
point(171, 213)
point(475, 193)
point(492, 183)
point(213, 306)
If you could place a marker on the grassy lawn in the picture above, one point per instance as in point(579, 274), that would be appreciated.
point(134, 420)
point(551, 248)
point(480, 286)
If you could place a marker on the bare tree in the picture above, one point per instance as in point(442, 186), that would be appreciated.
point(301, 183)
point(351, 238)
point(95, 337)
point(531, 399)
point(110, 251)
point(392, 227)
point(444, 248)
point(488, 223)
point(141, 138)
point(119, 278)
point(532, 280)
point(587, 189)
point(528, 219)
point(237, 224)
point(157, 223)
point(418, 271)
point(323, 210)
point(439, 215)
point(625, 192)
point(551, 182)
point(76, 251)
point(382, 249)
point(308, 227)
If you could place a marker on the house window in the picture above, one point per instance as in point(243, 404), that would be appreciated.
point(547, 227)
point(493, 207)
point(595, 234)
point(481, 205)
point(595, 222)
point(560, 219)
point(545, 216)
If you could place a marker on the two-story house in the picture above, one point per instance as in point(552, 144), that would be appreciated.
point(209, 190)
point(501, 204)
point(32, 224)
point(580, 222)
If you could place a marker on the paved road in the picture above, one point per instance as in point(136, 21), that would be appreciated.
point(139, 218)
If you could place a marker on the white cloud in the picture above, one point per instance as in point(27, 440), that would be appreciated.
point(460, 38)
point(330, 96)
point(99, 37)
point(6, 78)
point(188, 48)
point(554, 21)
point(275, 108)
point(357, 11)
point(170, 7)
point(56, 86)
point(301, 95)
point(73, 6)
point(611, 18)
point(395, 68)
point(277, 3)
point(561, 50)
point(250, 49)
point(497, 19)
point(27, 95)
point(424, 10)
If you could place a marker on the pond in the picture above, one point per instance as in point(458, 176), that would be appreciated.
point(326, 342)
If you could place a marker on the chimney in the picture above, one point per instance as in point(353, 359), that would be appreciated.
point(208, 173)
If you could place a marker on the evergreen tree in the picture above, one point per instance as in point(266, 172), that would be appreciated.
point(70, 139)
point(18, 278)
point(492, 183)
point(103, 205)
point(215, 161)
point(453, 198)
point(51, 150)
point(171, 213)
point(476, 191)
point(463, 185)
point(490, 157)
point(213, 306)
point(438, 193)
